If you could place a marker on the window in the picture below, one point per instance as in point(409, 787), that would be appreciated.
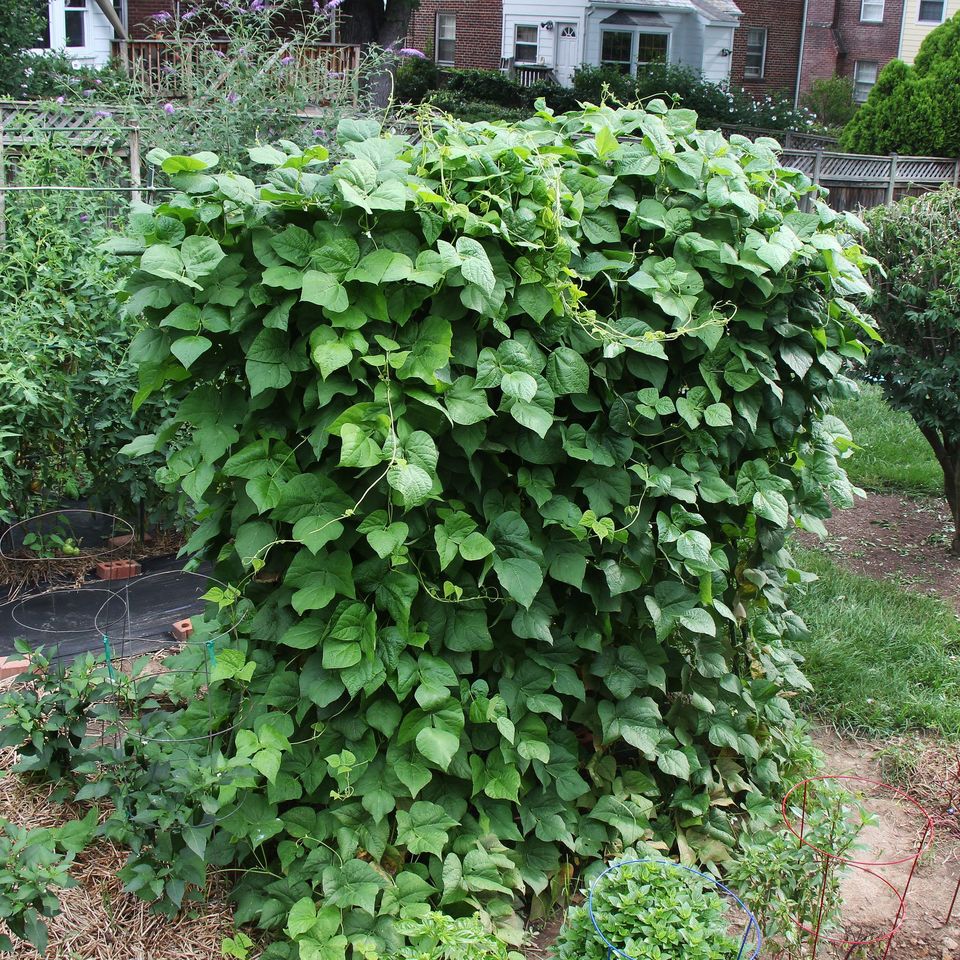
point(931, 11)
point(756, 53)
point(446, 38)
point(616, 49)
point(525, 43)
point(626, 49)
point(652, 47)
point(568, 31)
point(864, 77)
point(871, 11)
point(74, 22)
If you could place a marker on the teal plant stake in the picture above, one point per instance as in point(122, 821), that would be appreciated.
point(752, 927)
point(212, 656)
point(108, 655)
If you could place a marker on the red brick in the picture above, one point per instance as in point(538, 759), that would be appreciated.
point(13, 667)
point(835, 39)
point(181, 630)
point(479, 30)
point(117, 569)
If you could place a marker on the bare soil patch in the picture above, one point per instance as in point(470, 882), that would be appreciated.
point(901, 539)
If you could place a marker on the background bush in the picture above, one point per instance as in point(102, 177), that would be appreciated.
point(20, 29)
point(480, 94)
point(916, 303)
point(830, 99)
point(908, 110)
point(66, 380)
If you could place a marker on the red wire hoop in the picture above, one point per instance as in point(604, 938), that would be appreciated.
point(880, 938)
point(925, 841)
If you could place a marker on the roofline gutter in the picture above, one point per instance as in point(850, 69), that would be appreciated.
point(803, 42)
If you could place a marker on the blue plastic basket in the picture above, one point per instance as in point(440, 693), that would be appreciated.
point(752, 927)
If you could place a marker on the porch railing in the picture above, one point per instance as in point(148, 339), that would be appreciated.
point(323, 71)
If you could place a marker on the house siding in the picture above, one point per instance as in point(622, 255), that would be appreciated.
point(914, 32)
point(479, 30)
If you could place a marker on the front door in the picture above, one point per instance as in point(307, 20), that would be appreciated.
point(568, 52)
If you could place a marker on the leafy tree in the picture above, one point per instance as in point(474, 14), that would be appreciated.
point(910, 109)
point(916, 303)
point(20, 30)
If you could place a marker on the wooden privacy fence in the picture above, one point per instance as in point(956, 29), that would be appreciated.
point(164, 69)
point(859, 180)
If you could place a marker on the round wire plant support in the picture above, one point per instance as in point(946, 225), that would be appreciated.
point(748, 935)
point(172, 706)
point(27, 540)
point(798, 808)
point(60, 622)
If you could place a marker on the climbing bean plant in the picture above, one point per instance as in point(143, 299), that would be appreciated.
point(499, 432)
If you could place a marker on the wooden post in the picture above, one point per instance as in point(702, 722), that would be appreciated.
point(956, 173)
point(134, 143)
point(3, 192)
point(891, 184)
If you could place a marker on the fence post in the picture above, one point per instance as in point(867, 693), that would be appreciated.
point(3, 192)
point(893, 179)
point(956, 173)
point(134, 144)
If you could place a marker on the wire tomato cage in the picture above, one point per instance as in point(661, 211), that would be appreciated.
point(185, 710)
point(797, 811)
point(747, 934)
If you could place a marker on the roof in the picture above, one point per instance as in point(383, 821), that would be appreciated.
point(722, 10)
point(719, 9)
point(638, 19)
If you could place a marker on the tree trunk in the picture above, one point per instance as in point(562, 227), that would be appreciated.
point(948, 456)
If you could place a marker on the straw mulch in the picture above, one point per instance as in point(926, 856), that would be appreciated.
point(21, 575)
point(98, 921)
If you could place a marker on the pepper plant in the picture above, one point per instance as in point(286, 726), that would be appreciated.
point(500, 433)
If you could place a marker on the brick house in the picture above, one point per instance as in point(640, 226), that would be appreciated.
point(850, 38)
point(458, 33)
point(766, 46)
point(775, 49)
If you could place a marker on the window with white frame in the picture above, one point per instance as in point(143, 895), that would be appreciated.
point(525, 37)
point(74, 22)
point(446, 38)
point(931, 11)
point(756, 58)
point(864, 77)
point(871, 11)
point(627, 49)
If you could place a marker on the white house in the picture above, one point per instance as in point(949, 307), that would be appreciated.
point(81, 29)
point(563, 34)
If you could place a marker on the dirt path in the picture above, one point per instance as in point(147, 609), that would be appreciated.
point(870, 906)
point(897, 538)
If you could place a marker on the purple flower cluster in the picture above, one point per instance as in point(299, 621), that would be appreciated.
point(286, 60)
point(233, 96)
point(331, 5)
point(162, 17)
point(411, 52)
point(103, 114)
point(169, 108)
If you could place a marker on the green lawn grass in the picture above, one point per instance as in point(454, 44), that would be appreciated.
point(894, 456)
point(881, 660)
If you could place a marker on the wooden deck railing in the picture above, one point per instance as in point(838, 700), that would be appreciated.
point(323, 71)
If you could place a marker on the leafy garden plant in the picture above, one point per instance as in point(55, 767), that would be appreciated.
point(34, 864)
point(652, 910)
point(500, 434)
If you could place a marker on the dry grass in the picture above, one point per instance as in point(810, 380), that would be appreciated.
point(98, 921)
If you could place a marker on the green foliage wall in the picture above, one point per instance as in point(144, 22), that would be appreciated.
point(911, 110)
point(501, 433)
